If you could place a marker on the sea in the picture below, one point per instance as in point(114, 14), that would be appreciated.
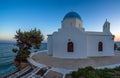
point(7, 56)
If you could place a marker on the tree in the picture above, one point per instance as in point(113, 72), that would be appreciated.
point(25, 41)
point(115, 46)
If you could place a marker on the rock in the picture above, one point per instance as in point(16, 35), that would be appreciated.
point(16, 63)
point(23, 65)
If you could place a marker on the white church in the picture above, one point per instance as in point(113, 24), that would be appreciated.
point(72, 41)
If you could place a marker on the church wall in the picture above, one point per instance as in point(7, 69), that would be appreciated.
point(92, 45)
point(78, 23)
point(72, 22)
point(60, 40)
point(69, 22)
point(50, 45)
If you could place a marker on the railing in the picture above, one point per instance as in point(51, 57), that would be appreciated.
point(20, 72)
point(32, 72)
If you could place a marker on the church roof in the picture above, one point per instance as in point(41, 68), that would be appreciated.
point(97, 33)
point(72, 15)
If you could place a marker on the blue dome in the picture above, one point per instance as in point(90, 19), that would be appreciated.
point(72, 15)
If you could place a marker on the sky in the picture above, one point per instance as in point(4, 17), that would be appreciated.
point(47, 15)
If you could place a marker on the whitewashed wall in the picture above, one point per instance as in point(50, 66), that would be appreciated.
point(92, 45)
point(50, 45)
point(60, 40)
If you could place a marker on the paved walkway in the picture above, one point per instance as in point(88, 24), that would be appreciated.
point(43, 58)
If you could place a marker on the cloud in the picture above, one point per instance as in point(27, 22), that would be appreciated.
point(117, 36)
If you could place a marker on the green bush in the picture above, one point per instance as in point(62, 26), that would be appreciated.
point(90, 72)
point(75, 74)
point(103, 73)
point(117, 68)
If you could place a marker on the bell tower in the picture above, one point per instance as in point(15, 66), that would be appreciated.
point(106, 27)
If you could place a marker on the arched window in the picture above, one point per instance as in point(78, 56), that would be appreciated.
point(70, 46)
point(100, 46)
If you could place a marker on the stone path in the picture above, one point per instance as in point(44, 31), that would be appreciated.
point(43, 58)
point(53, 74)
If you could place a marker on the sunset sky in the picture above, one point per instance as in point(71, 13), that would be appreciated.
point(47, 15)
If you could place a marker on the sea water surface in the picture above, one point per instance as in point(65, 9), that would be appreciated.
point(7, 56)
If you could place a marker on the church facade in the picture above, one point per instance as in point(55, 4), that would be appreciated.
point(72, 41)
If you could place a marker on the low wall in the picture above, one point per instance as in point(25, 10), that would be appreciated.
point(42, 65)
